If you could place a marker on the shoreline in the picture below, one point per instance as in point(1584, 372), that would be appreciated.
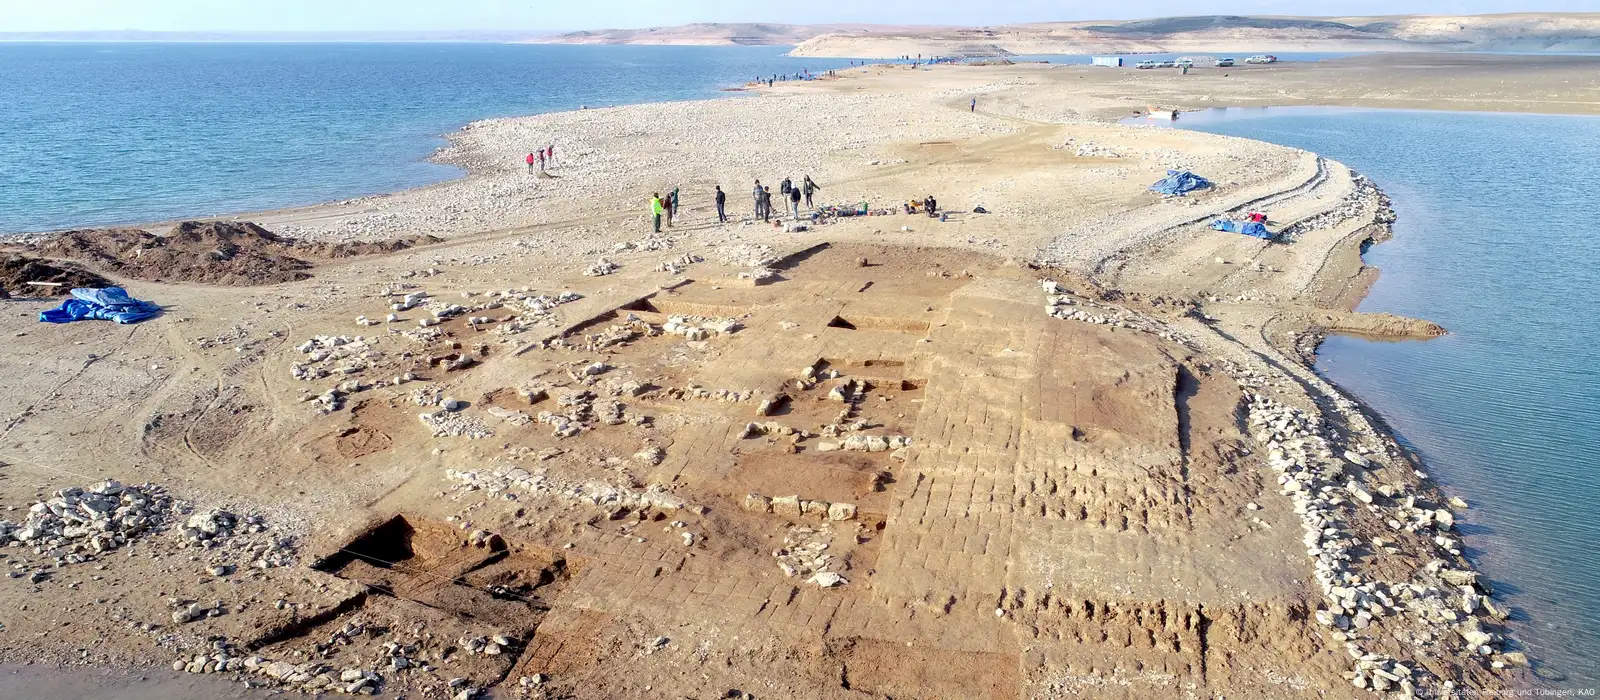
point(944, 143)
point(452, 153)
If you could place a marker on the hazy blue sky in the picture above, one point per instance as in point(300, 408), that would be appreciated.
point(348, 15)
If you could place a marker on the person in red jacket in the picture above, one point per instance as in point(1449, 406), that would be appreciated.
point(530, 162)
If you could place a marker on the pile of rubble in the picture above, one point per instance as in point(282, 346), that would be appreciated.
point(504, 480)
point(1366, 197)
point(797, 507)
point(700, 327)
point(449, 421)
point(601, 268)
point(1328, 491)
point(493, 645)
point(334, 355)
point(629, 329)
point(1067, 307)
point(237, 538)
point(867, 443)
point(677, 265)
point(803, 555)
point(76, 523)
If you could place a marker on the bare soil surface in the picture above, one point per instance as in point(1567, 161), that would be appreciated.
point(1070, 447)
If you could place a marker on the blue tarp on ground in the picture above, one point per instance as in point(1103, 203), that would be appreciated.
point(1248, 228)
point(109, 304)
point(1180, 182)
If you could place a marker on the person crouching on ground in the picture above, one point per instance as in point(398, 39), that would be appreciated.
point(656, 208)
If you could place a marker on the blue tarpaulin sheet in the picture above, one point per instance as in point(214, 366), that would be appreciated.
point(109, 304)
point(1248, 228)
point(1180, 182)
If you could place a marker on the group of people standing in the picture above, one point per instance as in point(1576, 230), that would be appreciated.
point(668, 206)
point(666, 209)
point(787, 190)
point(539, 158)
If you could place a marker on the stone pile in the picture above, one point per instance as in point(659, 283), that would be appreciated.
point(866, 443)
point(504, 480)
point(76, 523)
point(1065, 306)
point(1365, 198)
point(767, 428)
point(1328, 490)
point(449, 421)
point(243, 539)
point(699, 327)
point(796, 507)
point(700, 393)
point(309, 677)
point(494, 645)
point(679, 264)
point(601, 268)
point(803, 555)
point(334, 355)
point(626, 331)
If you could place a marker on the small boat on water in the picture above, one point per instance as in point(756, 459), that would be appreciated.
point(1261, 59)
point(1167, 114)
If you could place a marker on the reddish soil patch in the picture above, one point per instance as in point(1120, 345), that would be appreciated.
point(16, 271)
point(223, 253)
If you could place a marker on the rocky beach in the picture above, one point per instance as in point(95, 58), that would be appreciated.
point(499, 438)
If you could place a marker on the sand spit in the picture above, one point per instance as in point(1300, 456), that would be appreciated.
point(1069, 446)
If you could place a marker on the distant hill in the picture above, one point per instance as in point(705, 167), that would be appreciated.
point(717, 34)
point(1230, 33)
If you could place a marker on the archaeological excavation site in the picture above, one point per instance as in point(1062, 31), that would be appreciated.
point(1072, 448)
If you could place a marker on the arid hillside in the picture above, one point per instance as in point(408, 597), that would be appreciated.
point(1510, 32)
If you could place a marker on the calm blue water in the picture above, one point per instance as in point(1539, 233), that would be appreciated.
point(1498, 239)
point(115, 133)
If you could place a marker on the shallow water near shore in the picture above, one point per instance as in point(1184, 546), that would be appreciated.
point(1496, 241)
point(94, 134)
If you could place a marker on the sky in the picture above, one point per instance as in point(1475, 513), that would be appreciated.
point(537, 15)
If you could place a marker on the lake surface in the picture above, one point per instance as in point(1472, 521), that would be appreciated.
point(96, 134)
point(1498, 240)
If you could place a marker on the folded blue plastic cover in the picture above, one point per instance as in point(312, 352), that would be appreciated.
point(1179, 182)
point(109, 304)
point(1248, 228)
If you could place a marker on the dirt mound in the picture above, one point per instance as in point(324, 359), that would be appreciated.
point(227, 253)
point(16, 271)
point(353, 249)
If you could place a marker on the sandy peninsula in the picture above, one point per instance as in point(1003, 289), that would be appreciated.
point(1067, 446)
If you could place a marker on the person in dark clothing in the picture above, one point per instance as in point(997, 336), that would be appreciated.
point(794, 202)
point(808, 187)
point(672, 206)
point(766, 204)
point(932, 205)
point(974, 105)
point(756, 194)
point(722, 200)
point(784, 187)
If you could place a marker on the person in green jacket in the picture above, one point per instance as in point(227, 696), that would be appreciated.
point(655, 210)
